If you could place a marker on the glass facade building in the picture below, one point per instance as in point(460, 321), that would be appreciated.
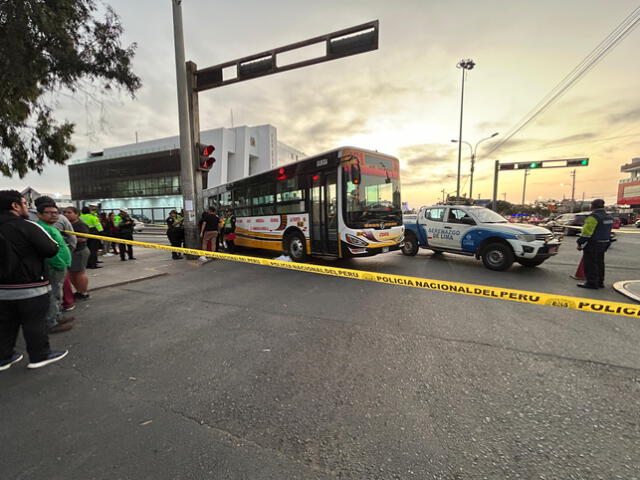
point(148, 184)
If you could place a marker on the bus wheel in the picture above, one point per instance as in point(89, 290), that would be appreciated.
point(295, 246)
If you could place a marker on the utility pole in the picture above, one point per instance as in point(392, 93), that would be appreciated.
point(524, 186)
point(443, 193)
point(582, 203)
point(187, 174)
point(573, 190)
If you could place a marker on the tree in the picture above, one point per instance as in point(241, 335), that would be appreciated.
point(47, 47)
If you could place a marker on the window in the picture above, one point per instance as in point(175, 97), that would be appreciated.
point(289, 196)
point(434, 214)
point(455, 215)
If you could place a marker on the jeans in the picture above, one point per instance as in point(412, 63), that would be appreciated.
point(56, 279)
point(29, 313)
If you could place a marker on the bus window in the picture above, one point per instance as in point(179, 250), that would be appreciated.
point(289, 196)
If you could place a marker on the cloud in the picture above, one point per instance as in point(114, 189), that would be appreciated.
point(630, 115)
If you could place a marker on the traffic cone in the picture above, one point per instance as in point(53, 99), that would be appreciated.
point(579, 275)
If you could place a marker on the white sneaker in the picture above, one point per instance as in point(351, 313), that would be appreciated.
point(54, 356)
point(108, 254)
point(203, 258)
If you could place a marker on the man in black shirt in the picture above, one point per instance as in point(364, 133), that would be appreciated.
point(209, 229)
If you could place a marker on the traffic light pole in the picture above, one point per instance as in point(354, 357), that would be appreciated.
point(188, 178)
point(494, 200)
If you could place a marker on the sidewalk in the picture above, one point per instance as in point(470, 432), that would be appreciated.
point(628, 288)
point(149, 263)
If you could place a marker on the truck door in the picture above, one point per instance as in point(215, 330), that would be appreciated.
point(431, 221)
point(455, 227)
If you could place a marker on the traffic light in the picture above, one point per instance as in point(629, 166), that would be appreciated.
point(534, 164)
point(205, 159)
point(578, 162)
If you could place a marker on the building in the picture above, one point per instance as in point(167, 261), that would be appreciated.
point(61, 199)
point(629, 188)
point(145, 177)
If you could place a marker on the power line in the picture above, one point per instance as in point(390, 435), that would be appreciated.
point(549, 146)
point(599, 52)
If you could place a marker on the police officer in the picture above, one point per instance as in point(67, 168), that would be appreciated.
point(594, 240)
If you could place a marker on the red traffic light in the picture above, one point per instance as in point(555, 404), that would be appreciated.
point(205, 160)
point(208, 150)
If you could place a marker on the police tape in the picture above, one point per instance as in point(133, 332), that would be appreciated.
point(509, 294)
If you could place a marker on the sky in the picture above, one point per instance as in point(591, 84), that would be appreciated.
point(402, 99)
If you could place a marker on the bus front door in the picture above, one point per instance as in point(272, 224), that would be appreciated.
point(324, 214)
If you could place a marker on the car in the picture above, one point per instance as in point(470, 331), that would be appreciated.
point(138, 226)
point(637, 223)
point(567, 223)
point(479, 232)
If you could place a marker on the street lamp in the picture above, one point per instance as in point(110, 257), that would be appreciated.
point(473, 158)
point(464, 64)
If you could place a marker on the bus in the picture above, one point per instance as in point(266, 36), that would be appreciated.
point(341, 203)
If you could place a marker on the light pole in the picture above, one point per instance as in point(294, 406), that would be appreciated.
point(464, 64)
point(473, 159)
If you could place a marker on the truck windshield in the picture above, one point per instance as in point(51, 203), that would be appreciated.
point(489, 216)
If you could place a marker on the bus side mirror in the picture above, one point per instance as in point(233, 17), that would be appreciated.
point(356, 177)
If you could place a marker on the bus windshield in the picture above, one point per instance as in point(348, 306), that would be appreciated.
point(377, 197)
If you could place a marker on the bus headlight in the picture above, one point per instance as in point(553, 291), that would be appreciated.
point(358, 242)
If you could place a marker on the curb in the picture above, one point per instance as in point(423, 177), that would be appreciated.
point(135, 280)
point(620, 287)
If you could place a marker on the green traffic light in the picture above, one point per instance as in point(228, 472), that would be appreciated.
point(584, 162)
point(534, 165)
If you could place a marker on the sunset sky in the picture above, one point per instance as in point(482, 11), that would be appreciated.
point(402, 99)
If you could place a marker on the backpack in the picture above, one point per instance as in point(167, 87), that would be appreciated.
point(9, 259)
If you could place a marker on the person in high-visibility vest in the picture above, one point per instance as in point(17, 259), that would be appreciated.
point(228, 231)
point(95, 227)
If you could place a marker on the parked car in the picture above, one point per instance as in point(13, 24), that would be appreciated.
point(479, 232)
point(567, 223)
point(638, 223)
point(138, 226)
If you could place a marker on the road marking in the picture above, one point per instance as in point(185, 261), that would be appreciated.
point(509, 294)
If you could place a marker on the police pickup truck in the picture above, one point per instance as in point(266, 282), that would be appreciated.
point(480, 232)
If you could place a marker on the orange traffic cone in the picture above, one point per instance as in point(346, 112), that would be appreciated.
point(579, 275)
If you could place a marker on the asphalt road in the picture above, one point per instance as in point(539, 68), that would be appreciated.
point(244, 372)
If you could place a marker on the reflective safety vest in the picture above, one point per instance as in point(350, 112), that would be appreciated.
point(91, 221)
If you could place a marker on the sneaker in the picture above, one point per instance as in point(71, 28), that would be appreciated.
point(81, 296)
point(108, 254)
point(68, 309)
point(64, 320)
point(15, 358)
point(54, 356)
point(203, 258)
point(59, 328)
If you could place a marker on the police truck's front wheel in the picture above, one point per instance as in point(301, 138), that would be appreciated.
point(410, 246)
point(497, 256)
point(295, 247)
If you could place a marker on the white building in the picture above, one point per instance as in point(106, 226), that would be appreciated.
point(145, 177)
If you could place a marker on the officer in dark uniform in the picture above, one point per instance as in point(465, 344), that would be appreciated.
point(594, 240)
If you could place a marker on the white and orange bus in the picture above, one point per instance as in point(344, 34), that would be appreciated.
point(341, 203)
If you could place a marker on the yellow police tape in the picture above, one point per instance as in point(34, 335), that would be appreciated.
point(534, 298)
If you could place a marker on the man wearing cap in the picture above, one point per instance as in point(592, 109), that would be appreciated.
point(95, 227)
point(594, 240)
